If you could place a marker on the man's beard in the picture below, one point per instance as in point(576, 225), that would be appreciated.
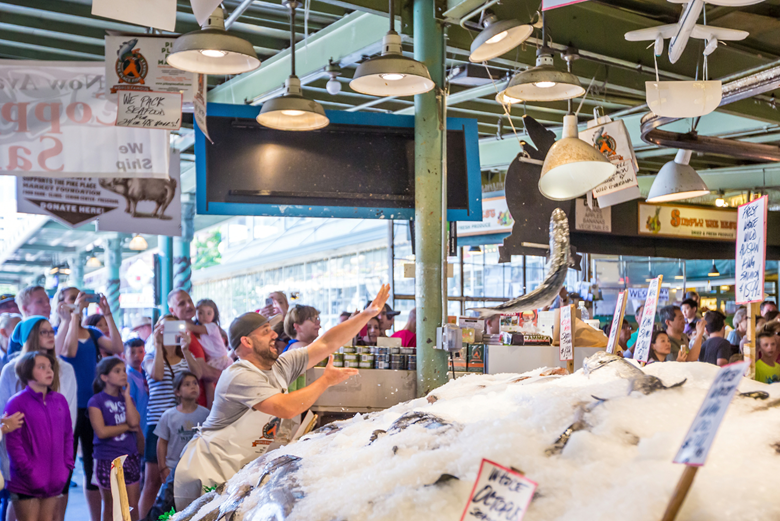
point(267, 354)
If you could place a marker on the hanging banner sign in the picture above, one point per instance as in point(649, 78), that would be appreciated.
point(617, 322)
point(641, 294)
point(554, 4)
point(689, 222)
point(56, 122)
point(592, 220)
point(566, 348)
point(751, 251)
point(644, 337)
point(160, 14)
point(499, 494)
point(202, 9)
point(697, 443)
point(199, 106)
point(120, 204)
point(495, 219)
point(139, 63)
point(612, 139)
point(153, 110)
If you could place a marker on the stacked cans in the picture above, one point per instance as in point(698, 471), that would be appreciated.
point(381, 357)
point(350, 357)
point(364, 357)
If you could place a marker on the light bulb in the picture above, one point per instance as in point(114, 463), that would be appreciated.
point(497, 38)
point(213, 53)
point(509, 100)
point(720, 202)
point(333, 86)
point(293, 113)
point(545, 84)
point(392, 76)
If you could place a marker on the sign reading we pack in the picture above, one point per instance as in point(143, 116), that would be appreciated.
point(152, 110)
point(499, 494)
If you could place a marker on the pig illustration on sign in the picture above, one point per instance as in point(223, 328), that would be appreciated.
point(134, 190)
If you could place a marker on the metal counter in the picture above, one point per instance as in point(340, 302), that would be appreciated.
point(371, 390)
point(519, 359)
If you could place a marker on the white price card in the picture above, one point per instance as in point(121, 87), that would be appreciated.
point(200, 104)
point(751, 251)
point(645, 335)
point(152, 110)
point(617, 322)
point(698, 441)
point(566, 349)
point(499, 494)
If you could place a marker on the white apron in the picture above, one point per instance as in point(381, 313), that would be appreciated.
point(213, 457)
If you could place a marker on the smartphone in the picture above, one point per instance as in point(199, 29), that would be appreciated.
point(269, 302)
point(172, 331)
point(92, 298)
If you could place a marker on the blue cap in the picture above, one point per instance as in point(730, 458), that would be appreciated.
point(22, 330)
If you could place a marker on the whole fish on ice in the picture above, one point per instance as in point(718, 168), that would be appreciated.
point(638, 380)
point(557, 269)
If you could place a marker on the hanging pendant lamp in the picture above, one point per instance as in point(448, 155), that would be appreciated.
point(677, 180)
point(713, 271)
point(292, 111)
point(392, 73)
point(543, 82)
point(572, 167)
point(498, 38)
point(212, 50)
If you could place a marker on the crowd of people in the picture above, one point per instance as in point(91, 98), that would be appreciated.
point(72, 389)
point(685, 335)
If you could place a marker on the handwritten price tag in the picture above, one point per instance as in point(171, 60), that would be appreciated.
point(617, 322)
point(153, 110)
point(500, 494)
point(645, 335)
point(751, 251)
point(566, 349)
point(698, 441)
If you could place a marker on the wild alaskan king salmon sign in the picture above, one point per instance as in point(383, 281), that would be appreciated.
point(499, 494)
point(55, 121)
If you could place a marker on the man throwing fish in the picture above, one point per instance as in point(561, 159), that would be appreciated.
point(251, 403)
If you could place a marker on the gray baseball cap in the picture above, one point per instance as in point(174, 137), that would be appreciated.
point(244, 325)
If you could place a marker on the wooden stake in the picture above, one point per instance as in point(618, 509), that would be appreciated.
point(749, 349)
point(680, 491)
point(121, 489)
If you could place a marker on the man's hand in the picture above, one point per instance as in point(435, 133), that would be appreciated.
point(378, 305)
point(336, 375)
point(682, 354)
point(700, 325)
point(164, 474)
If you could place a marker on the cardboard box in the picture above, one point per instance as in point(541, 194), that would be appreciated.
point(460, 359)
point(476, 358)
point(469, 335)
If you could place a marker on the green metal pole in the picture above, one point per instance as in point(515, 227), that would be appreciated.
point(77, 270)
point(166, 270)
point(113, 264)
point(428, 48)
point(182, 263)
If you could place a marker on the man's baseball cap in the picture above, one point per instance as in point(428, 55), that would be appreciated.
point(388, 310)
point(244, 325)
point(7, 298)
point(137, 322)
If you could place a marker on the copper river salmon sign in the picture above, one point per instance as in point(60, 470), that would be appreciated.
point(499, 494)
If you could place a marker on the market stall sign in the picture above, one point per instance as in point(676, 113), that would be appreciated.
point(641, 294)
point(152, 110)
point(617, 322)
point(139, 63)
point(499, 494)
point(55, 111)
point(751, 251)
point(612, 139)
point(592, 219)
point(688, 222)
point(122, 204)
point(644, 337)
point(698, 440)
point(199, 106)
point(566, 348)
point(495, 219)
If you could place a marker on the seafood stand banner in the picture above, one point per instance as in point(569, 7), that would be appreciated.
point(751, 251)
point(688, 222)
point(51, 112)
point(121, 204)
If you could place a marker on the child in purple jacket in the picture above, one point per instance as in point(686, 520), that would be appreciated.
point(40, 452)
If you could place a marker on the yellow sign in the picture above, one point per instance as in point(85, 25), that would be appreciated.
point(689, 222)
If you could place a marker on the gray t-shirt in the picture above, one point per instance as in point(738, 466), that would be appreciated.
point(178, 428)
point(676, 343)
point(242, 386)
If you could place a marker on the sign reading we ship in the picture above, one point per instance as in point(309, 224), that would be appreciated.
point(51, 113)
point(751, 251)
point(499, 494)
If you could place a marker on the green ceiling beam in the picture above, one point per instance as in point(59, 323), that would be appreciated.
point(54, 35)
point(345, 40)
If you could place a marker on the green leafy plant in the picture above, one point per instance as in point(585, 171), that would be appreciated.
point(206, 490)
point(207, 250)
point(167, 515)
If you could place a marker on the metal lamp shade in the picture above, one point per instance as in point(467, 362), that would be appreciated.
point(292, 111)
point(572, 167)
point(239, 54)
point(392, 73)
point(555, 85)
point(483, 50)
point(677, 180)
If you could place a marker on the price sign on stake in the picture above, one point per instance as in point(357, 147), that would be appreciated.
point(152, 110)
point(645, 335)
point(566, 349)
point(617, 322)
point(500, 494)
point(696, 445)
point(751, 251)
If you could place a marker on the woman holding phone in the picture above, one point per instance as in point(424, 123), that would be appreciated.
point(80, 346)
point(171, 356)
